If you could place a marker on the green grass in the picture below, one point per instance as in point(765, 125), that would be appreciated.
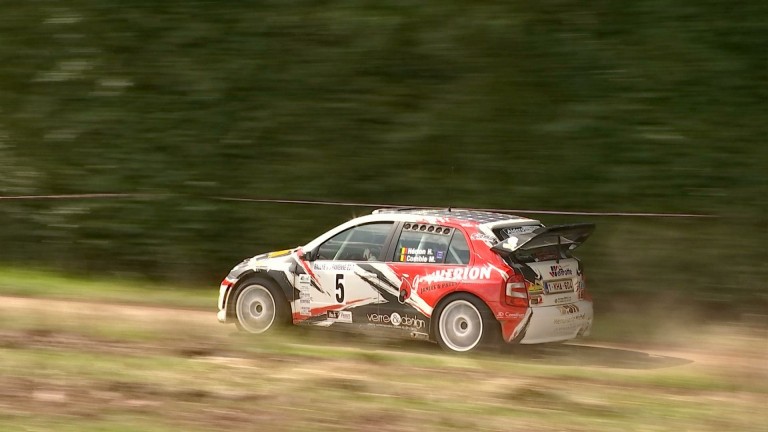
point(50, 284)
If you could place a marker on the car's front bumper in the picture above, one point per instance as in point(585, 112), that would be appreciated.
point(221, 315)
point(224, 288)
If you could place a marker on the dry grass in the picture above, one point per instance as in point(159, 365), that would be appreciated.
point(76, 367)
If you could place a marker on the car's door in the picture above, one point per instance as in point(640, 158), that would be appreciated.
point(422, 256)
point(347, 292)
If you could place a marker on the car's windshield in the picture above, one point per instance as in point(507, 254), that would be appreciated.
point(360, 243)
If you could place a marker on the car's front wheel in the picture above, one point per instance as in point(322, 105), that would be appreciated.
point(260, 307)
point(464, 323)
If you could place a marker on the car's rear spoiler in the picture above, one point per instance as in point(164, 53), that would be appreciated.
point(570, 236)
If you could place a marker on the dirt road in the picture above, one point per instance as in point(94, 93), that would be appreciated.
point(585, 353)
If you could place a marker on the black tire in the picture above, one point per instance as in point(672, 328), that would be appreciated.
point(463, 323)
point(259, 307)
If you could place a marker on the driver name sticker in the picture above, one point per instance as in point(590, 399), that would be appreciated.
point(418, 255)
point(333, 266)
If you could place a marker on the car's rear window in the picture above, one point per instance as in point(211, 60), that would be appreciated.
point(458, 253)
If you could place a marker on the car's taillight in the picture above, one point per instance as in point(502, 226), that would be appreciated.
point(515, 291)
point(583, 294)
point(582, 285)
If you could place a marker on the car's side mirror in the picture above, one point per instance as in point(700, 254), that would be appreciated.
point(310, 255)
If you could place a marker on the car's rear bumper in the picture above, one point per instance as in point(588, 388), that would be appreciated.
point(558, 323)
point(545, 324)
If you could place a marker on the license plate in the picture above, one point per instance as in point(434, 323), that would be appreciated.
point(559, 286)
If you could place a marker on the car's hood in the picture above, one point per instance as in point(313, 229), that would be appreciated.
point(262, 261)
point(275, 254)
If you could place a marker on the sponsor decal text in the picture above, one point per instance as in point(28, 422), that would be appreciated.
point(568, 309)
point(454, 274)
point(397, 320)
point(333, 266)
point(509, 315)
point(558, 271)
point(340, 316)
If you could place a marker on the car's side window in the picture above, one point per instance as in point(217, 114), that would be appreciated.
point(458, 252)
point(360, 243)
point(428, 245)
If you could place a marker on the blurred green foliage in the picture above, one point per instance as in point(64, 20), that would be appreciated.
point(641, 106)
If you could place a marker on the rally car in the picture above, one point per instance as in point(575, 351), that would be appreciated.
point(461, 278)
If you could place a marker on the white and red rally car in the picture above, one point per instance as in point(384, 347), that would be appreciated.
point(458, 277)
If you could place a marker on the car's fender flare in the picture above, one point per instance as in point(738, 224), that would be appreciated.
point(250, 276)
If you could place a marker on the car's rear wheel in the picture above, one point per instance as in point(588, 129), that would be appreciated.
point(260, 307)
point(464, 324)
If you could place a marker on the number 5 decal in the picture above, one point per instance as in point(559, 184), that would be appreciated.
point(339, 288)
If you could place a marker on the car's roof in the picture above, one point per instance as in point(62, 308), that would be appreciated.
point(485, 221)
point(461, 215)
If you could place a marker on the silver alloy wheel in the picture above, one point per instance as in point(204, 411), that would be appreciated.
point(255, 309)
point(460, 325)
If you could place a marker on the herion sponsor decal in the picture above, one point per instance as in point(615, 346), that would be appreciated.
point(396, 319)
point(340, 316)
point(558, 270)
point(453, 274)
point(333, 266)
point(568, 309)
point(564, 299)
point(405, 290)
point(438, 286)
